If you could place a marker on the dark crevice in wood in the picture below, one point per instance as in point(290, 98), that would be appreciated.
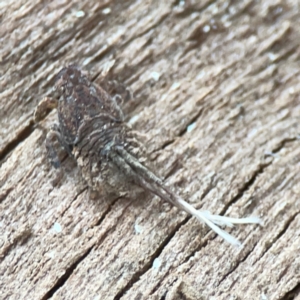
point(20, 238)
point(278, 236)
point(110, 49)
point(74, 199)
point(283, 143)
point(292, 294)
point(191, 121)
point(147, 30)
point(13, 56)
point(107, 211)
point(97, 19)
point(99, 57)
point(64, 38)
point(238, 263)
point(289, 51)
point(34, 64)
point(209, 187)
point(203, 245)
point(253, 178)
point(246, 186)
point(147, 266)
point(22, 136)
point(37, 57)
point(69, 271)
point(162, 146)
point(181, 133)
point(170, 286)
point(176, 166)
point(5, 193)
point(113, 227)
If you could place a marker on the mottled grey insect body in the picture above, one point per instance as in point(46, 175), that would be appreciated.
point(92, 129)
point(91, 126)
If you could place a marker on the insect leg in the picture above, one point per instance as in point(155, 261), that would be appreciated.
point(43, 107)
point(52, 135)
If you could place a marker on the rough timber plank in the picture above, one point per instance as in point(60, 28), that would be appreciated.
point(217, 91)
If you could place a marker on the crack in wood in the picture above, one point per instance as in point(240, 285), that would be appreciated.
point(136, 277)
point(191, 121)
point(105, 213)
point(292, 294)
point(21, 237)
point(63, 279)
point(246, 186)
point(253, 178)
point(74, 199)
point(22, 136)
point(283, 143)
point(147, 30)
point(5, 193)
point(278, 236)
point(234, 268)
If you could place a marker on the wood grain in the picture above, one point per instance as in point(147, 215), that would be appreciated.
point(216, 88)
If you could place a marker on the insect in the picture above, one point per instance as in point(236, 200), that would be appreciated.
point(109, 153)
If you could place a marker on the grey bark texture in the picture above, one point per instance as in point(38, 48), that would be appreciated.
point(216, 90)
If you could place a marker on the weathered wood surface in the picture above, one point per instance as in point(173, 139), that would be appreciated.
point(216, 89)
